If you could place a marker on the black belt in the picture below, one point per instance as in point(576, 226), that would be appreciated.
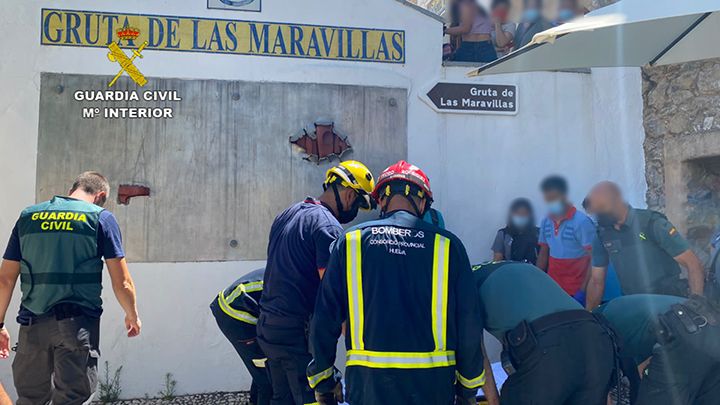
point(556, 319)
point(689, 317)
point(521, 341)
point(58, 313)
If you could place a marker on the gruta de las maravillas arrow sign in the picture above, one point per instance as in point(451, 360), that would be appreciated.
point(474, 98)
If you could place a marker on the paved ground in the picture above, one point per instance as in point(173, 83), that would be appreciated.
point(217, 398)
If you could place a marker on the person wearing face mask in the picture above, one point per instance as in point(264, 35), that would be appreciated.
point(405, 288)
point(518, 240)
point(57, 249)
point(568, 10)
point(503, 29)
point(298, 253)
point(612, 284)
point(643, 246)
point(566, 237)
point(532, 22)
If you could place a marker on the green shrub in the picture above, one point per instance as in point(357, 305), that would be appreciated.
point(168, 391)
point(109, 387)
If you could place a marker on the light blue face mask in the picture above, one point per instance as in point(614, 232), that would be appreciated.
point(556, 208)
point(530, 15)
point(566, 14)
point(520, 221)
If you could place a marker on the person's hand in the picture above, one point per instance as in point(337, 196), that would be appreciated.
point(333, 397)
point(4, 343)
point(132, 325)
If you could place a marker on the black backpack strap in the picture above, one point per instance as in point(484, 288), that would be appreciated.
point(434, 217)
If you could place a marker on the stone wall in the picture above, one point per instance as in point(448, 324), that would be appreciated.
point(682, 145)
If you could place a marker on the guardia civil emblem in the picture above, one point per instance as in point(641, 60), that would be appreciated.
point(127, 33)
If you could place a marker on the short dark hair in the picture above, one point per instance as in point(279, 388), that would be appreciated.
point(91, 183)
point(554, 183)
point(586, 203)
point(496, 3)
point(539, 3)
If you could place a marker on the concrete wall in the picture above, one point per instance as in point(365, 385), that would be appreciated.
point(222, 168)
point(585, 126)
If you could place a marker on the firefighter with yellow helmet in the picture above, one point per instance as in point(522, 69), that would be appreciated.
point(298, 252)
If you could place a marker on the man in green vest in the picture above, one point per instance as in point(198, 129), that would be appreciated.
point(643, 246)
point(56, 249)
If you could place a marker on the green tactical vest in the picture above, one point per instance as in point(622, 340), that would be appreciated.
point(642, 266)
point(60, 262)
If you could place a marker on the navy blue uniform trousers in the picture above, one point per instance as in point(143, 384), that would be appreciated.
point(285, 342)
point(244, 340)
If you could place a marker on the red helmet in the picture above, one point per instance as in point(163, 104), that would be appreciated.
point(403, 171)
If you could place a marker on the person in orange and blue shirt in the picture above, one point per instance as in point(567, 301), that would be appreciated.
point(566, 237)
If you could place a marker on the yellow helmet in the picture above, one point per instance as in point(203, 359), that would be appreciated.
point(355, 175)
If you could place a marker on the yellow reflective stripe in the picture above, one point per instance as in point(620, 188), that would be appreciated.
point(476, 382)
point(233, 295)
point(313, 403)
point(404, 360)
point(319, 377)
point(260, 363)
point(254, 286)
point(353, 270)
point(233, 313)
point(441, 259)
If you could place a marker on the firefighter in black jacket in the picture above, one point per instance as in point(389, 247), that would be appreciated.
point(405, 288)
point(236, 312)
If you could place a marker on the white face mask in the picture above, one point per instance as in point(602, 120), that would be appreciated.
point(520, 221)
point(566, 14)
point(530, 15)
point(556, 207)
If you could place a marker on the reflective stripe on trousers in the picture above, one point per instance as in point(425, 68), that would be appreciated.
point(358, 356)
point(254, 286)
point(234, 313)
